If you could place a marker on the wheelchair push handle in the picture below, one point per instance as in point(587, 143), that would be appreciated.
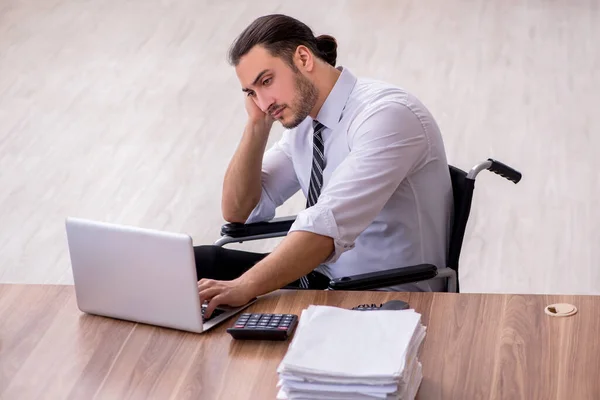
point(504, 171)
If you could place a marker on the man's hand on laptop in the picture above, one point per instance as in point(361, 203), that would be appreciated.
point(232, 293)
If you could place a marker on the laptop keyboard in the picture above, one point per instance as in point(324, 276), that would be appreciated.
point(216, 312)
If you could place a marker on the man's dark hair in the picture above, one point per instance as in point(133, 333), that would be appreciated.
point(281, 35)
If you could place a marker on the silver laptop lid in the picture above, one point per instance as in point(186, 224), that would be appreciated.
point(134, 274)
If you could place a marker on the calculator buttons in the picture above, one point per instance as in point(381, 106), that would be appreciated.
point(263, 326)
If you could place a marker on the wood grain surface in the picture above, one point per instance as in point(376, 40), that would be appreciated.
point(477, 347)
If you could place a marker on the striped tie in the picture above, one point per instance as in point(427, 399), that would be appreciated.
point(318, 164)
point(316, 176)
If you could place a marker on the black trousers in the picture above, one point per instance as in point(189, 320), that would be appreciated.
point(215, 262)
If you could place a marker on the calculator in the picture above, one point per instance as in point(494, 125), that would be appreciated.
point(263, 326)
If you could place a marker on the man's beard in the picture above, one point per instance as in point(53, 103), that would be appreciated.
point(307, 98)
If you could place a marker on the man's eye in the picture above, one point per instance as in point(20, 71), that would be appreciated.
point(249, 94)
point(267, 81)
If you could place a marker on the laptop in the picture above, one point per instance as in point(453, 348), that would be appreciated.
point(139, 275)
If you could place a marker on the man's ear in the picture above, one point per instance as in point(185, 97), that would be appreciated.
point(304, 58)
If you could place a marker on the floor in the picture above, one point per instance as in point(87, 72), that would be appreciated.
point(127, 112)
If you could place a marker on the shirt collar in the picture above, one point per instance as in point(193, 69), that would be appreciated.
point(330, 113)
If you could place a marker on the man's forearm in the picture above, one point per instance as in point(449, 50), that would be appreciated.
point(297, 255)
point(242, 183)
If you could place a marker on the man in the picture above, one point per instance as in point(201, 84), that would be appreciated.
point(368, 156)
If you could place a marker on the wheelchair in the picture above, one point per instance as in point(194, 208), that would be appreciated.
point(463, 185)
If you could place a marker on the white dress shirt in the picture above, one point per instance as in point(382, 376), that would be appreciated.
point(387, 196)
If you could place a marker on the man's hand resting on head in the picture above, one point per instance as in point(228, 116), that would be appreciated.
point(297, 255)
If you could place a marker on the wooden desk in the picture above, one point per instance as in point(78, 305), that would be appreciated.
point(477, 347)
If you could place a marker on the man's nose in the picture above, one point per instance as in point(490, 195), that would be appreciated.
point(264, 102)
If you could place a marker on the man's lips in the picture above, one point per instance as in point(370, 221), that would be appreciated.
point(277, 113)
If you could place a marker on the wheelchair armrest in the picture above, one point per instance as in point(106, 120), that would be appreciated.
point(276, 225)
point(381, 279)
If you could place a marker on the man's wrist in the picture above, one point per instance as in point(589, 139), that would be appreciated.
point(259, 127)
point(248, 285)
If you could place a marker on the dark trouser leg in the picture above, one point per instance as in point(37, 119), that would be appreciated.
point(214, 262)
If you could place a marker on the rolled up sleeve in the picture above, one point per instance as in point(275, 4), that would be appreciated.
point(386, 146)
point(278, 181)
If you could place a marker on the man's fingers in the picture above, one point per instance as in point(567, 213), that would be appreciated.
point(209, 293)
point(205, 284)
point(205, 281)
point(213, 304)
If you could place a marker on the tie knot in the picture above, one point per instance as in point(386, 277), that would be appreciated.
point(317, 127)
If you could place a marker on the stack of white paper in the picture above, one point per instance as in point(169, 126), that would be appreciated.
point(345, 354)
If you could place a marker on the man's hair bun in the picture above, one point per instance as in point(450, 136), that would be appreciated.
point(327, 46)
